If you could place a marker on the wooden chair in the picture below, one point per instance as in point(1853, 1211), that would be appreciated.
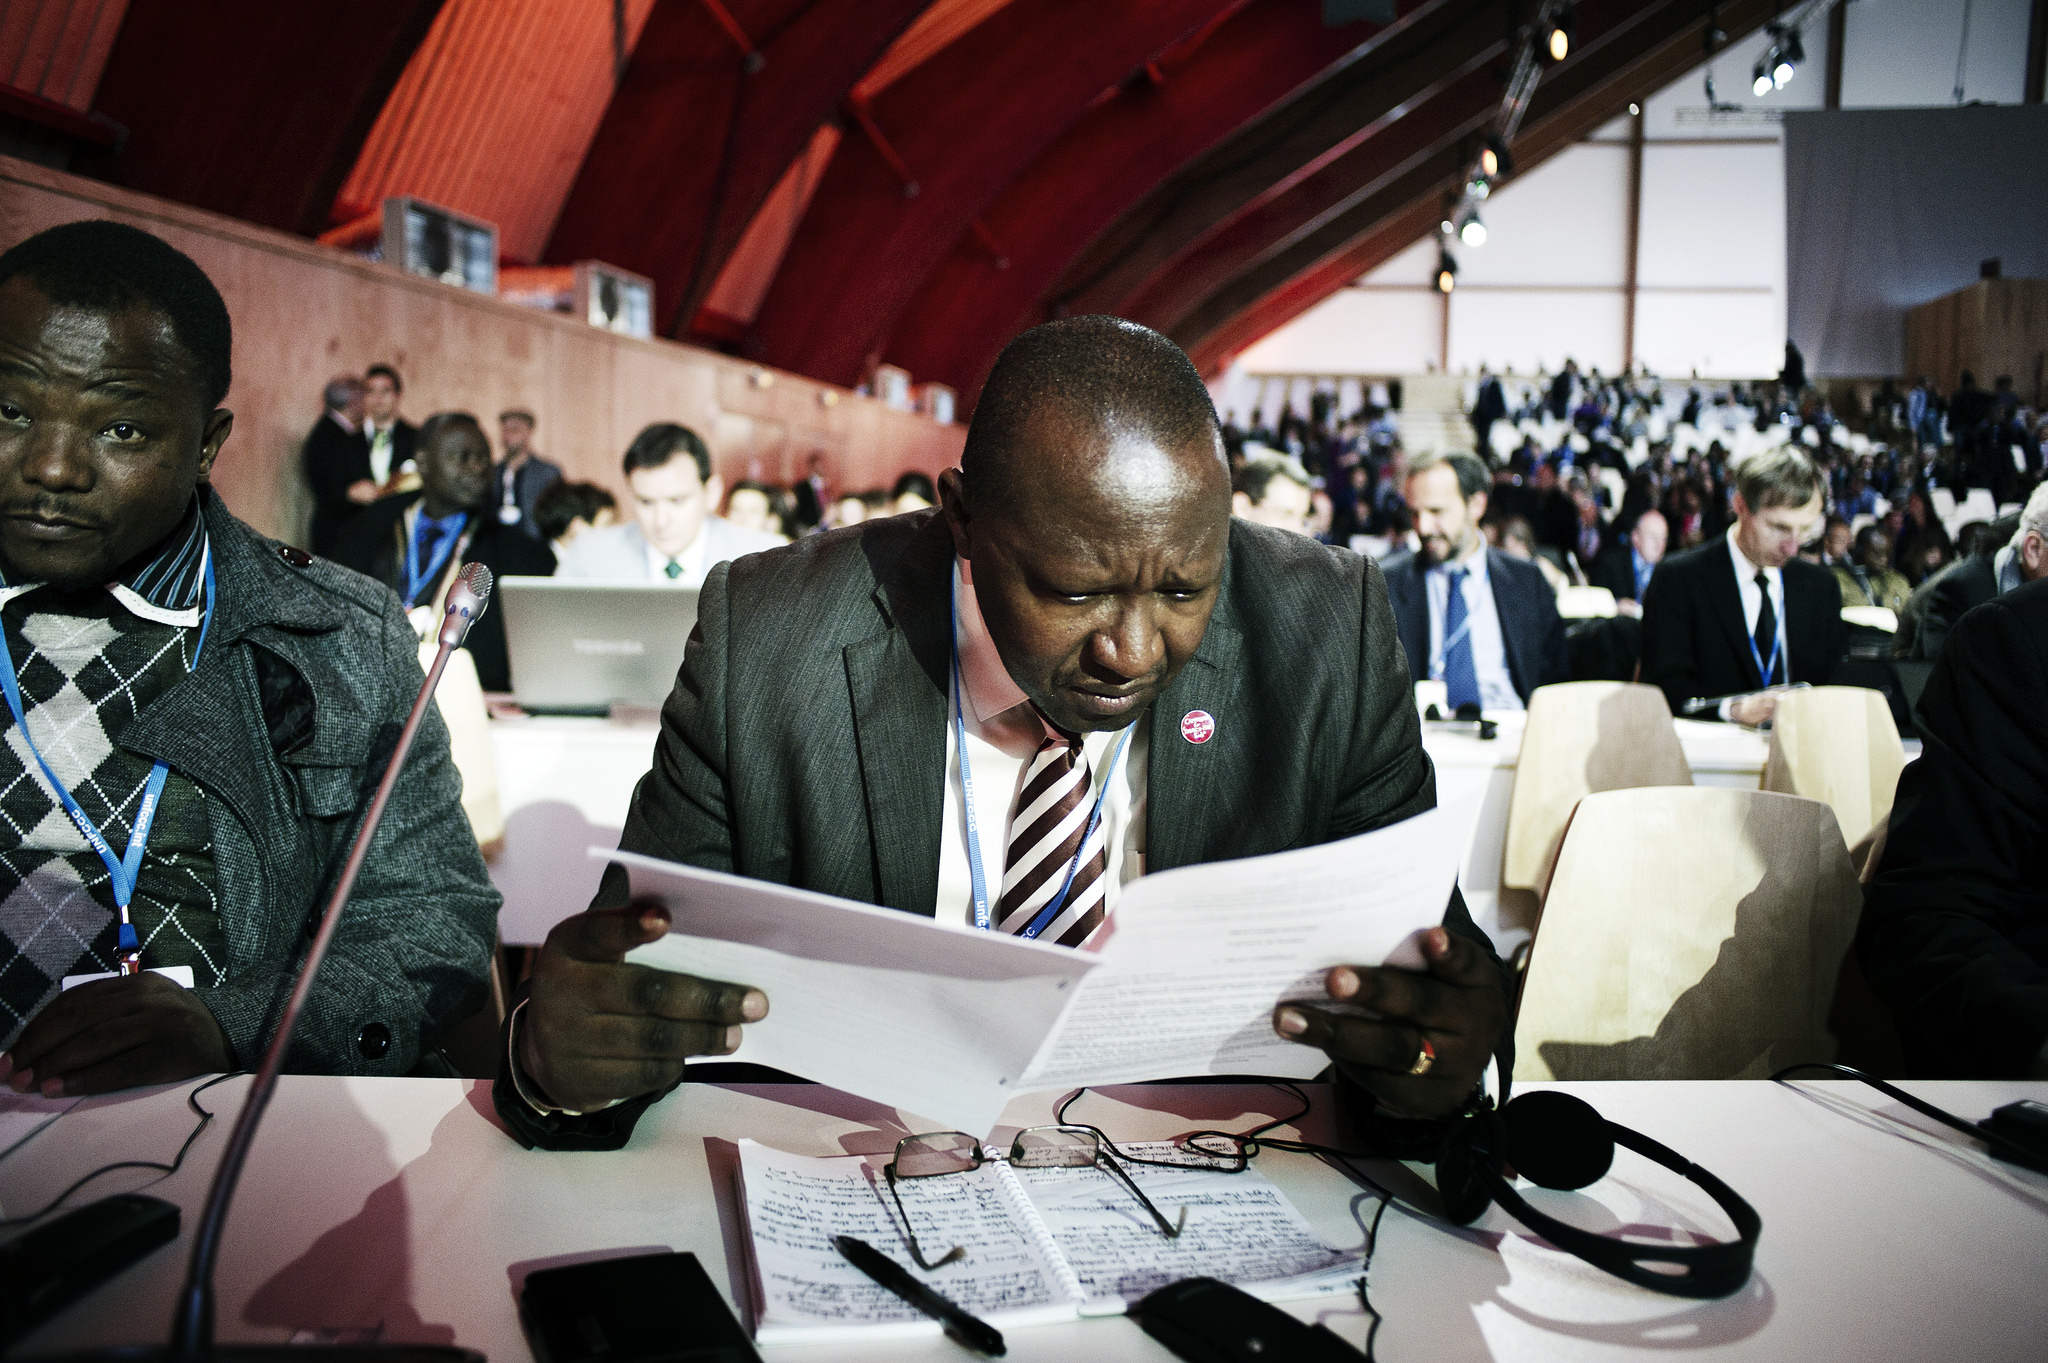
point(1583, 737)
point(1688, 934)
point(1838, 745)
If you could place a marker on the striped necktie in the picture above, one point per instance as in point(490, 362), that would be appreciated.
point(1051, 816)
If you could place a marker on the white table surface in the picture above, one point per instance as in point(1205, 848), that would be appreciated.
point(566, 783)
point(398, 1201)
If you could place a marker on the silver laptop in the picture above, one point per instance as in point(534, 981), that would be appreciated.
point(582, 647)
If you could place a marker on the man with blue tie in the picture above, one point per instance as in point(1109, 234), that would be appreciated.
point(1625, 569)
point(1482, 622)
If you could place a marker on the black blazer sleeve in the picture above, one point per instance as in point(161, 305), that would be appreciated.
point(1670, 608)
point(1955, 923)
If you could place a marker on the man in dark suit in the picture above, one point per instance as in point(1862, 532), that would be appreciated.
point(1489, 405)
point(1954, 935)
point(1743, 612)
point(336, 460)
point(1483, 622)
point(1085, 575)
point(2013, 552)
point(393, 441)
point(1625, 568)
point(416, 542)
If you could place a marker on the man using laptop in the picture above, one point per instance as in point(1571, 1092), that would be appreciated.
point(1212, 688)
point(673, 536)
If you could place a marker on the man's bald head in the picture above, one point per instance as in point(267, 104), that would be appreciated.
point(1097, 381)
point(1092, 506)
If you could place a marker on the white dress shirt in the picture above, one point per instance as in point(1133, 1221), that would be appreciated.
point(1003, 734)
point(1489, 645)
point(1753, 601)
point(692, 559)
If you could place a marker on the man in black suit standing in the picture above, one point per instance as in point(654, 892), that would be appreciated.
point(1085, 581)
point(336, 459)
point(392, 439)
point(1625, 568)
point(416, 542)
point(1483, 622)
point(1489, 405)
point(1743, 613)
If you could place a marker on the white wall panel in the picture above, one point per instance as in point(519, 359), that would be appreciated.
point(1415, 265)
point(1356, 331)
point(1535, 329)
point(1713, 215)
point(1716, 335)
point(1563, 223)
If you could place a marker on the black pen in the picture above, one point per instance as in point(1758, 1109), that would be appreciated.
point(975, 1334)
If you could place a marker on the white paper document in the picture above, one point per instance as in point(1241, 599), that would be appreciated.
point(1042, 1245)
point(950, 1023)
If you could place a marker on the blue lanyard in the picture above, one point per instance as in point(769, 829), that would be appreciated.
point(123, 871)
point(1777, 648)
point(415, 580)
point(977, 880)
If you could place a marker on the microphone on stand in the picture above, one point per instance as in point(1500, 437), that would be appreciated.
point(192, 1329)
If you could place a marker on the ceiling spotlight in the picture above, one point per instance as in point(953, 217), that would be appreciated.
point(1634, 109)
point(1446, 272)
point(1760, 82)
point(1790, 55)
point(1473, 233)
point(1558, 40)
point(1494, 160)
point(1479, 189)
point(1449, 227)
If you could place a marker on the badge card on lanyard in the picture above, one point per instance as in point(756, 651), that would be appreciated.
point(122, 871)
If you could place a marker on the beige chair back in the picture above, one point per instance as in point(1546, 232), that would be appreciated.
point(1838, 745)
point(1689, 934)
point(1583, 737)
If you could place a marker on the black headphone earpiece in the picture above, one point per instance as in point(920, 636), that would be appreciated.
point(1558, 1141)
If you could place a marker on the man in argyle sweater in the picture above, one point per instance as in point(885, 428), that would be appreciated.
point(195, 717)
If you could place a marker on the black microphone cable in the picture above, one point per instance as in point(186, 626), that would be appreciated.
point(2002, 1146)
point(164, 1171)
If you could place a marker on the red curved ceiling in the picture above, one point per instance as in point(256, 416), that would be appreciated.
point(1208, 167)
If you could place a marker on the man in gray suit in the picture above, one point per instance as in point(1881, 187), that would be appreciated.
point(154, 642)
point(1215, 689)
point(673, 536)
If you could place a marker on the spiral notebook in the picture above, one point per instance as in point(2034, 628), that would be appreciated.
point(1043, 1245)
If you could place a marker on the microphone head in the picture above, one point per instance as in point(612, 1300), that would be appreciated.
point(1556, 1140)
point(467, 597)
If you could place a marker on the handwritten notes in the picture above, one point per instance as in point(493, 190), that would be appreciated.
point(1042, 1244)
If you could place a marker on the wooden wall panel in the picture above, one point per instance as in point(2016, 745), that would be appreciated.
point(303, 313)
point(1991, 327)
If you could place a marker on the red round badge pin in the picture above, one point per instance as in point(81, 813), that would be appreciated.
point(1197, 726)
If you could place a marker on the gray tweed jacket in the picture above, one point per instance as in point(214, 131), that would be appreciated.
point(805, 741)
point(308, 674)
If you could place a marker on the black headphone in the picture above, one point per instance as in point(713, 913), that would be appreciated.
point(1558, 1141)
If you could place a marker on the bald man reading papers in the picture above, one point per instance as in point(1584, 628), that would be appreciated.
point(1224, 689)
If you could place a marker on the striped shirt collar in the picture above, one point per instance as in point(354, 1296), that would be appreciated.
point(165, 587)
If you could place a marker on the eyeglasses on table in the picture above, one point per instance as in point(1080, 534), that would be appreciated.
point(938, 1153)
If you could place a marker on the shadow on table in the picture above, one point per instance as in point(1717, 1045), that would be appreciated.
point(355, 1281)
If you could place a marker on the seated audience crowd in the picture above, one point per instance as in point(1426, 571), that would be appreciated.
point(1107, 559)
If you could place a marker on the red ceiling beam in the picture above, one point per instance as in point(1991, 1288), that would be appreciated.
point(967, 122)
point(702, 127)
point(1434, 41)
point(1627, 61)
point(1256, 56)
point(251, 108)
